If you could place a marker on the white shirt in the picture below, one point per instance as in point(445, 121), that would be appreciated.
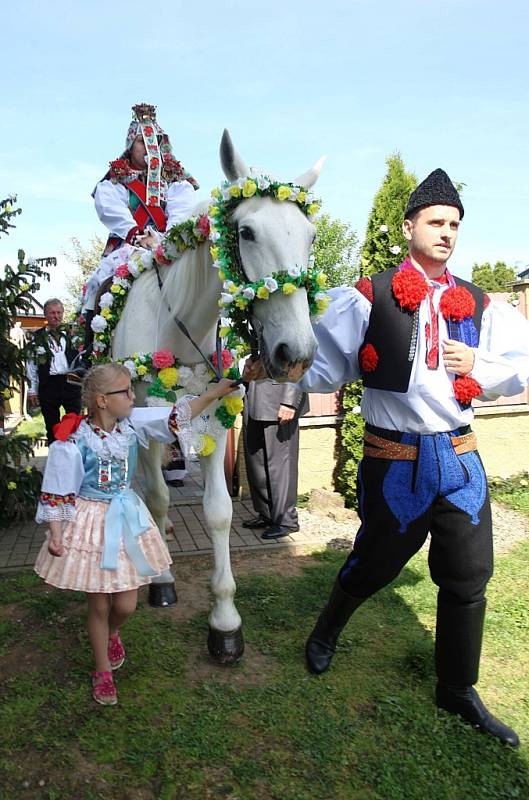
point(58, 366)
point(112, 205)
point(501, 365)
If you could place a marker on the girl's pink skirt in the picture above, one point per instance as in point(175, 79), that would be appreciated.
point(83, 539)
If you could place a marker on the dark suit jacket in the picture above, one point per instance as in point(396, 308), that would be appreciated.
point(263, 399)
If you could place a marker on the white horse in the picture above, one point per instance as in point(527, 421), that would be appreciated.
point(272, 236)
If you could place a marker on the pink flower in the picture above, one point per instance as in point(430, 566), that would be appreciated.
point(85, 286)
point(163, 359)
point(227, 359)
point(122, 271)
point(202, 225)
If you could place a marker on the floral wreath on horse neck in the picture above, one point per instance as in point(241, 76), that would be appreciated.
point(161, 370)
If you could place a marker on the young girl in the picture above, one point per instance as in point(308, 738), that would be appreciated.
point(110, 545)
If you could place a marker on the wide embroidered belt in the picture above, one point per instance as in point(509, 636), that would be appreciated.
point(378, 447)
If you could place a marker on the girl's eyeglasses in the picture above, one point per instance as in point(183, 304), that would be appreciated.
point(128, 392)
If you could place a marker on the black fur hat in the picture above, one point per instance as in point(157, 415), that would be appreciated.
point(435, 190)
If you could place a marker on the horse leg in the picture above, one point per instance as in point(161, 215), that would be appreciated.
point(162, 590)
point(225, 639)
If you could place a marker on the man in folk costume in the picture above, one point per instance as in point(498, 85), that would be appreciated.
point(53, 351)
point(425, 344)
point(145, 192)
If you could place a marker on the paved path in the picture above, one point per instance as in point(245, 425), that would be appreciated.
point(20, 544)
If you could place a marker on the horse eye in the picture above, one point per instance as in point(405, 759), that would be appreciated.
point(247, 234)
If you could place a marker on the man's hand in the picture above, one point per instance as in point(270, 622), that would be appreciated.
point(285, 414)
point(33, 400)
point(148, 241)
point(253, 370)
point(457, 357)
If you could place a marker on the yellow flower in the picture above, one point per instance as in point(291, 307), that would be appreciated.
point(134, 355)
point(302, 196)
point(283, 192)
point(7, 394)
point(224, 332)
point(222, 275)
point(168, 377)
point(214, 252)
point(234, 405)
point(231, 287)
point(321, 280)
point(313, 209)
point(235, 191)
point(122, 291)
point(106, 313)
point(263, 293)
point(209, 445)
point(322, 305)
point(215, 192)
point(249, 188)
point(141, 370)
point(213, 211)
point(11, 485)
point(289, 288)
point(28, 470)
point(115, 288)
point(241, 302)
point(24, 286)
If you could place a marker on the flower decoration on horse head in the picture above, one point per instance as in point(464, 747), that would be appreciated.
point(238, 293)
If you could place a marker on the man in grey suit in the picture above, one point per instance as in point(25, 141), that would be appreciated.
point(271, 448)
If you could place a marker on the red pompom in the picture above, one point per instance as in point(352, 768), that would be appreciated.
point(409, 288)
point(466, 389)
point(365, 287)
point(368, 358)
point(457, 303)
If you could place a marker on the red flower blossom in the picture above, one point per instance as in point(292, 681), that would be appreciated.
point(202, 226)
point(163, 359)
point(154, 163)
point(227, 359)
point(153, 200)
point(122, 271)
point(160, 256)
point(457, 303)
point(466, 389)
point(409, 288)
point(148, 130)
point(120, 168)
point(368, 358)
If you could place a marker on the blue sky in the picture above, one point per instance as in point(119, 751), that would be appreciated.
point(444, 83)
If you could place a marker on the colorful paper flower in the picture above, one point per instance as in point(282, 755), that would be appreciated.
point(466, 389)
point(162, 359)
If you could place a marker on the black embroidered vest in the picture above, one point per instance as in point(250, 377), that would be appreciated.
point(393, 330)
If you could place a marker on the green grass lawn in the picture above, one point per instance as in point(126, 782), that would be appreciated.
point(367, 730)
point(512, 492)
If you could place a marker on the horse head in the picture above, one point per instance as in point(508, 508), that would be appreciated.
point(274, 236)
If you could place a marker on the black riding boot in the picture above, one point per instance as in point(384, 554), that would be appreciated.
point(457, 653)
point(321, 643)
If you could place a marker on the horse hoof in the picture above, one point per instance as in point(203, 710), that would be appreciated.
point(162, 595)
point(225, 647)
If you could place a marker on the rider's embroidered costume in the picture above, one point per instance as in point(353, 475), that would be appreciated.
point(128, 200)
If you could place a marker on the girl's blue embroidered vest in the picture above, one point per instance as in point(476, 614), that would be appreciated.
point(393, 333)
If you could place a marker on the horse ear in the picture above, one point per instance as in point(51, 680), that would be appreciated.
point(309, 178)
point(232, 164)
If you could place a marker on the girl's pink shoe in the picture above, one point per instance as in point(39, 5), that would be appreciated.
point(104, 691)
point(116, 651)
